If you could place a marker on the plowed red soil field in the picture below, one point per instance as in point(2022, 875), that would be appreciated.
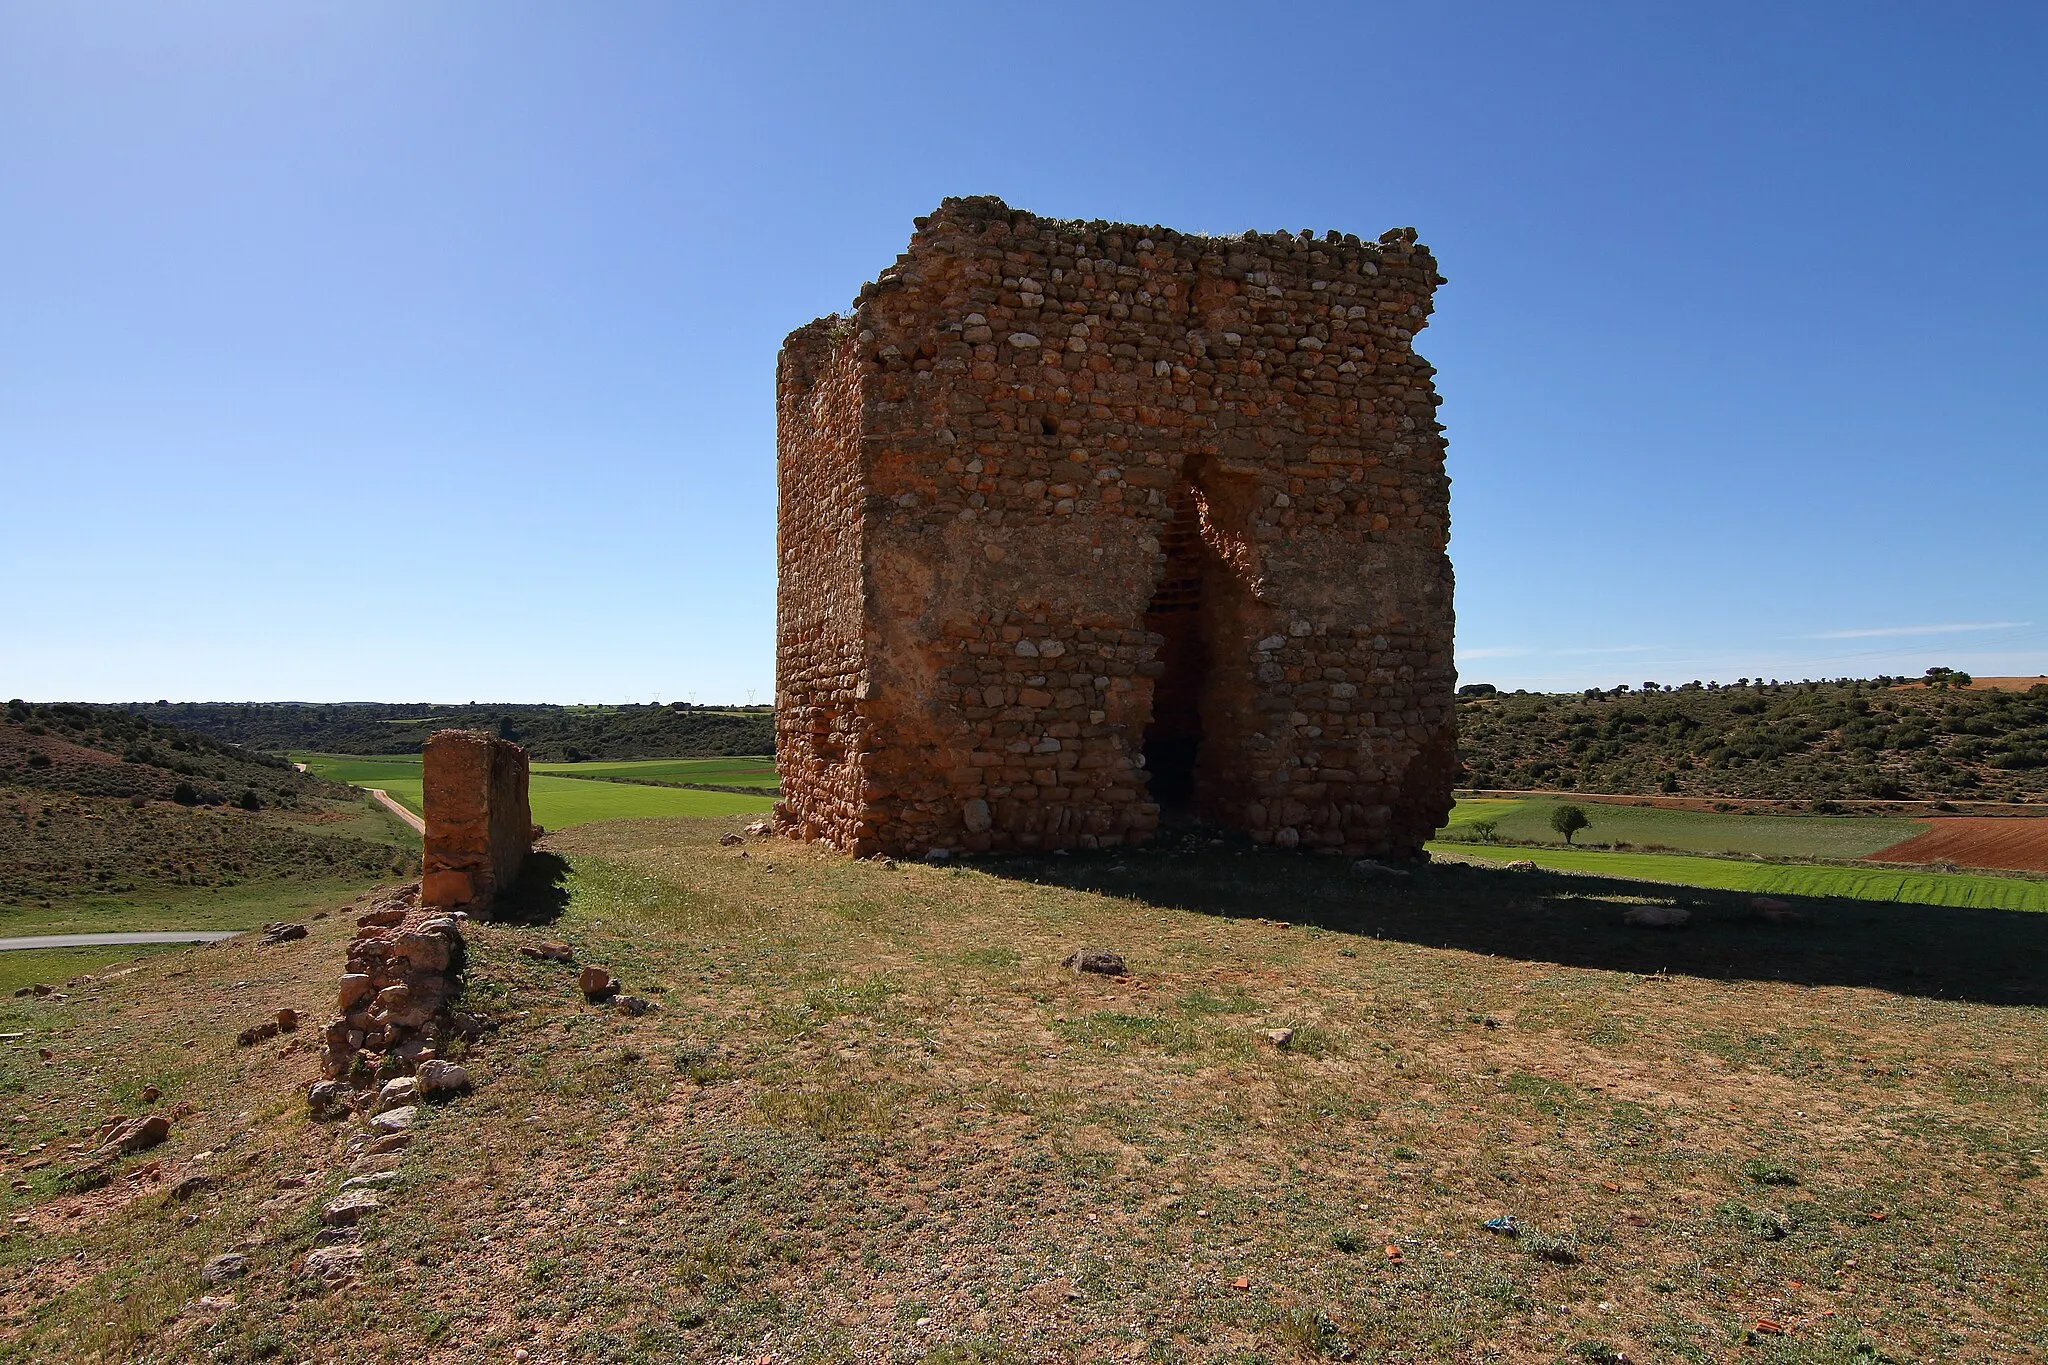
point(1972, 841)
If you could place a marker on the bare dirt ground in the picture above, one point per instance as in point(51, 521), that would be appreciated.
point(1752, 805)
point(2019, 843)
point(874, 1119)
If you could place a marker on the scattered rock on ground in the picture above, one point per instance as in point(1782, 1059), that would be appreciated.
point(596, 983)
point(256, 1033)
point(197, 1183)
point(397, 1093)
point(1279, 1037)
point(287, 1021)
point(348, 1209)
point(150, 1094)
point(1097, 960)
point(329, 1100)
point(547, 952)
point(229, 1265)
point(760, 829)
point(138, 1135)
point(395, 1120)
point(437, 1078)
point(732, 840)
point(1657, 916)
point(282, 933)
point(1522, 865)
point(633, 1006)
point(333, 1265)
point(1772, 909)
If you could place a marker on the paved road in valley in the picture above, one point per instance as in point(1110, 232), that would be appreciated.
point(116, 940)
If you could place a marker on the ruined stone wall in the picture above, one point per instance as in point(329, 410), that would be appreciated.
point(1116, 495)
point(479, 825)
point(404, 966)
point(820, 659)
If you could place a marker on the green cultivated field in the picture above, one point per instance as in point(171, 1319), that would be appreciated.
point(724, 772)
point(1691, 831)
point(558, 802)
point(1778, 879)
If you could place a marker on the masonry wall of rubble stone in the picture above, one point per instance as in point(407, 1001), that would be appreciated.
point(479, 826)
point(1080, 520)
point(404, 968)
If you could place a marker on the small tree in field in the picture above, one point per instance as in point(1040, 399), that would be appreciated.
point(1568, 820)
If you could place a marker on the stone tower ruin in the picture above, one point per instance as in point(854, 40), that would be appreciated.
point(1086, 525)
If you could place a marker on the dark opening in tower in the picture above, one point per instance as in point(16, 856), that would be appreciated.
point(1173, 739)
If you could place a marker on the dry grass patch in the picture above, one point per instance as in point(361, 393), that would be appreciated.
point(874, 1119)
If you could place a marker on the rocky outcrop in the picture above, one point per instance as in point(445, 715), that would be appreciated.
point(1087, 525)
point(479, 827)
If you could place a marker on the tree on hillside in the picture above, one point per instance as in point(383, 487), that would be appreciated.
point(1569, 820)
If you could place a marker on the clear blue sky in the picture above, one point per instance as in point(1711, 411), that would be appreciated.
point(425, 351)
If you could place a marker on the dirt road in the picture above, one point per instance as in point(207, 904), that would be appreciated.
point(391, 804)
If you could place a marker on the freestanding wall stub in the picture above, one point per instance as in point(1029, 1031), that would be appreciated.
point(479, 825)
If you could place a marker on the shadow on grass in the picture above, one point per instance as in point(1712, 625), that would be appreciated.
point(539, 896)
point(1995, 957)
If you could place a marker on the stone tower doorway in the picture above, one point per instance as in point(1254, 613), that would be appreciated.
point(1172, 742)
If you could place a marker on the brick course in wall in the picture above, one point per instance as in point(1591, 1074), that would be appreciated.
point(1087, 525)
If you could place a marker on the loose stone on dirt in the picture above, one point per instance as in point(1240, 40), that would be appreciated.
point(229, 1265)
point(395, 1120)
point(350, 1208)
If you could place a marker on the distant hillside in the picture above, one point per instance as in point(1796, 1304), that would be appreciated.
point(554, 734)
point(1799, 741)
point(104, 751)
point(97, 804)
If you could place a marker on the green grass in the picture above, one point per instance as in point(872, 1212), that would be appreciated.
point(558, 802)
point(179, 907)
point(875, 1119)
point(1727, 874)
point(363, 772)
point(727, 772)
point(1692, 831)
point(55, 966)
